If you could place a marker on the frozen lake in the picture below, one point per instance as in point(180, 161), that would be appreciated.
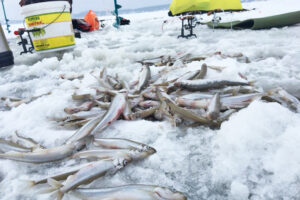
point(255, 155)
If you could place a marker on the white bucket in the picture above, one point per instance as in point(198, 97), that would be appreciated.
point(54, 21)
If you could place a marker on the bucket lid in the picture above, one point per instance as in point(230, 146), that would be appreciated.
point(40, 8)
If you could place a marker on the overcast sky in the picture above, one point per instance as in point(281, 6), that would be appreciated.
point(13, 8)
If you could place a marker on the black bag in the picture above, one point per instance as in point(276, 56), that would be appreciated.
point(124, 21)
point(81, 25)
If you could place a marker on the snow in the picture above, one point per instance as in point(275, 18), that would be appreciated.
point(254, 155)
point(261, 155)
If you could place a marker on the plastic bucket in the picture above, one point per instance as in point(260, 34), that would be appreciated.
point(53, 20)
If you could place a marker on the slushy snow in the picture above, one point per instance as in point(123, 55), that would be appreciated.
point(255, 155)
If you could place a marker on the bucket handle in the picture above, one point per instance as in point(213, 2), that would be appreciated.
point(53, 20)
point(60, 14)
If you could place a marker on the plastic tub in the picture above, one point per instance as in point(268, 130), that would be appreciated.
point(54, 21)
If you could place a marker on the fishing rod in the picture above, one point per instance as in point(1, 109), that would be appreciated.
point(5, 17)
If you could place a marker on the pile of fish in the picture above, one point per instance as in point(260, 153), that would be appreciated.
point(106, 157)
point(188, 99)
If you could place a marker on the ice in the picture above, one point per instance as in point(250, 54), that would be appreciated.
point(257, 146)
point(254, 155)
point(239, 191)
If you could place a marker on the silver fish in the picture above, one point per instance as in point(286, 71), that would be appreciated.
point(84, 107)
point(201, 95)
point(189, 76)
point(115, 110)
point(42, 155)
point(145, 77)
point(112, 154)
point(127, 110)
point(59, 176)
point(86, 175)
point(214, 107)
point(237, 102)
point(129, 192)
point(26, 142)
point(114, 82)
point(198, 85)
point(150, 95)
point(202, 73)
point(285, 98)
point(85, 130)
point(240, 101)
point(235, 90)
point(225, 116)
point(114, 92)
point(82, 97)
point(149, 104)
point(181, 111)
point(103, 73)
point(118, 143)
point(104, 105)
point(94, 112)
point(8, 146)
point(102, 82)
point(141, 114)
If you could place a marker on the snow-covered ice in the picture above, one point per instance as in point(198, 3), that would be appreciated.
point(255, 155)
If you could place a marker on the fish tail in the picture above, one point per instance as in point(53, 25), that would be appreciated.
point(28, 183)
point(54, 189)
point(54, 183)
point(59, 195)
point(251, 83)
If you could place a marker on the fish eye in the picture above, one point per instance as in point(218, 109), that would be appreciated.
point(125, 162)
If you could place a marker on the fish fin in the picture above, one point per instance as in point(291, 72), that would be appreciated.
point(59, 195)
point(35, 145)
point(54, 183)
point(54, 188)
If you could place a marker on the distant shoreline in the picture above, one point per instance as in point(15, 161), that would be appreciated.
point(107, 13)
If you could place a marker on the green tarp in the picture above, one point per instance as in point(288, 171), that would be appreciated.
point(275, 21)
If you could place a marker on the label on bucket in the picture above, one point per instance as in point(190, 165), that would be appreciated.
point(47, 18)
point(53, 43)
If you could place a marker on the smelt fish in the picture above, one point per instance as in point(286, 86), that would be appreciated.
point(43, 155)
point(8, 146)
point(85, 175)
point(214, 107)
point(181, 111)
point(203, 72)
point(112, 154)
point(198, 85)
point(26, 142)
point(129, 192)
point(115, 110)
point(145, 77)
point(118, 143)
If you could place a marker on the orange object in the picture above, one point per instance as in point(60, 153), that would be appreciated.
point(92, 19)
